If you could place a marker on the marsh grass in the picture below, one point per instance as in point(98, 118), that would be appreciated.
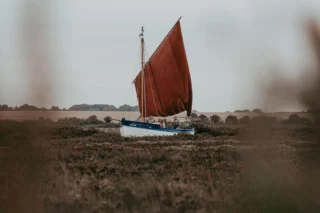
point(240, 169)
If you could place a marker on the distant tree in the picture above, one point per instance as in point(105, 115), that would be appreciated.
point(103, 107)
point(313, 111)
point(27, 107)
point(55, 108)
point(215, 119)
point(194, 115)
point(129, 108)
point(231, 119)
point(203, 118)
point(296, 119)
point(257, 111)
point(4, 107)
point(107, 119)
point(245, 120)
point(245, 110)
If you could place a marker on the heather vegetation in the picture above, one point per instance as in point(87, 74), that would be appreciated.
point(245, 120)
point(107, 119)
point(72, 166)
point(64, 167)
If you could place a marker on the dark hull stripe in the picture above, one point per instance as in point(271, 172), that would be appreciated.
point(150, 126)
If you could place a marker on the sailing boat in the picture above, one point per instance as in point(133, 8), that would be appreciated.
point(163, 87)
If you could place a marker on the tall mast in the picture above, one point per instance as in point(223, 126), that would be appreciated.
point(142, 76)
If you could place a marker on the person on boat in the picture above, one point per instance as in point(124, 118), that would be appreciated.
point(164, 123)
point(176, 123)
point(161, 122)
point(151, 119)
point(157, 121)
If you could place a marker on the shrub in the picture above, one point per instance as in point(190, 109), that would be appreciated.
point(55, 108)
point(72, 131)
point(231, 119)
point(215, 119)
point(304, 120)
point(257, 110)
point(71, 121)
point(93, 120)
point(317, 121)
point(107, 119)
point(194, 115)
point(245, 110)
point(296, 119)
point(203, 118)
point(264, 120)
point(245, 120)
point(214, 131)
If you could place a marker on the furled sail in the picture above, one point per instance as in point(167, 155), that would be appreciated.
point(168, 87)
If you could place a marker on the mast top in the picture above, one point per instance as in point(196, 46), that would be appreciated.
point(142, 32)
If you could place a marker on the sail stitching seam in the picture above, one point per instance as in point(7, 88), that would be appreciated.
point(154, 101)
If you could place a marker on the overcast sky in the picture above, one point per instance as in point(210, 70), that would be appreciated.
point(94, 48)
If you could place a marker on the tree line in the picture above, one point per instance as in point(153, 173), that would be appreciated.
point(79, 107)
point(262, 119)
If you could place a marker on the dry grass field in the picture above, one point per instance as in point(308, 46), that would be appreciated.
point(62, 167)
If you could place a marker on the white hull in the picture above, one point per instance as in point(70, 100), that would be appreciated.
point(127, 131)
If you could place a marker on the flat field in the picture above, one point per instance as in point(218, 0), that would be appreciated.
point(62, 167)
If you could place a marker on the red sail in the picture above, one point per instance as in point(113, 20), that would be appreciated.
point(168, 88)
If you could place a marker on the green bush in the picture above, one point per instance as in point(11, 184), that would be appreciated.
point(215, 119)
point(245, 120)
point(203, 118)
point(231, 119)
point(107, 119)
point(93, 120)
point(194, 115)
